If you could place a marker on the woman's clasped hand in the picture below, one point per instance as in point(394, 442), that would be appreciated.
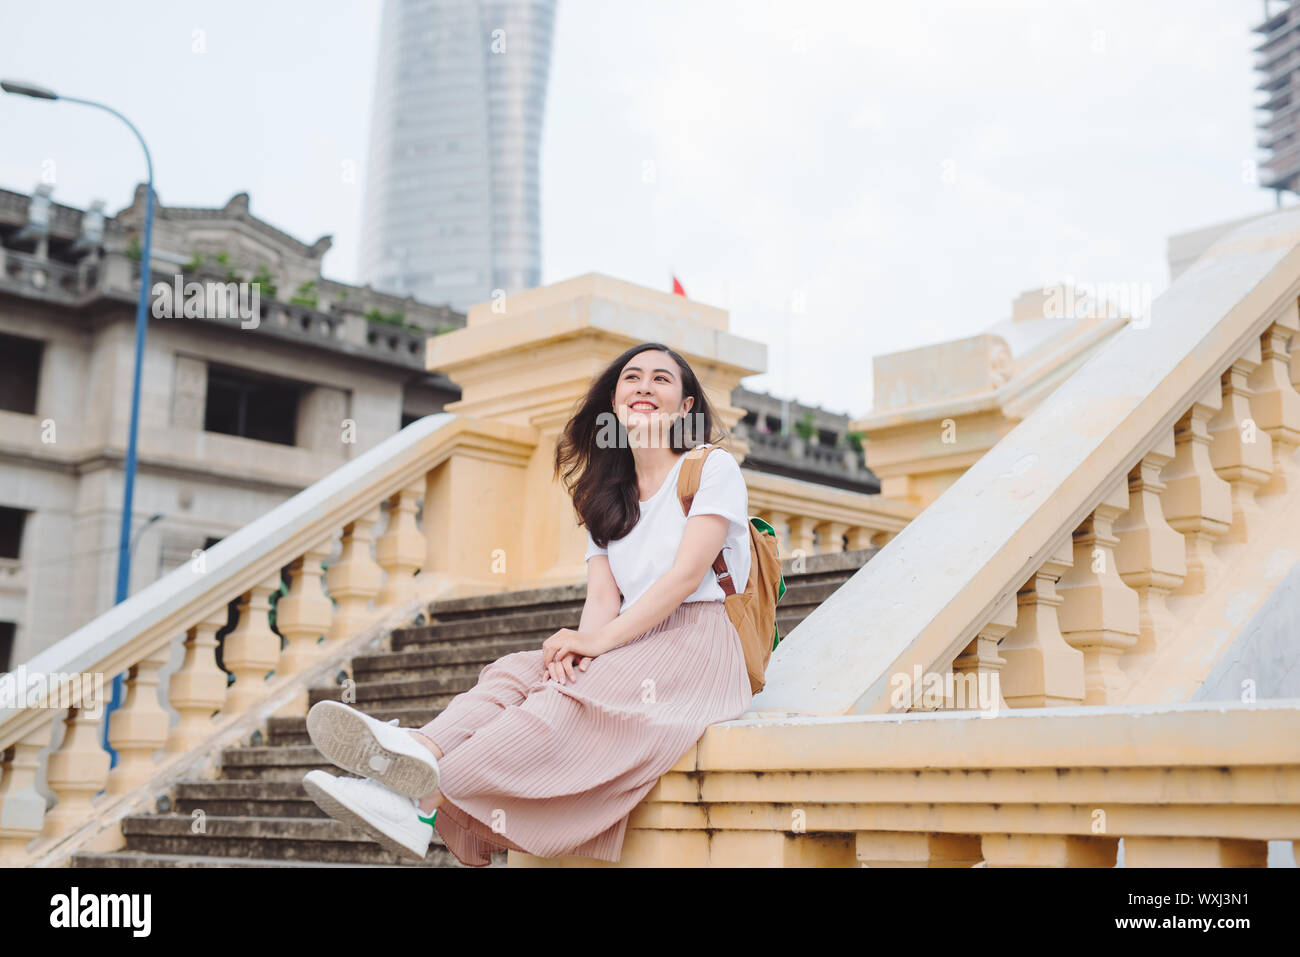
point(565, 650)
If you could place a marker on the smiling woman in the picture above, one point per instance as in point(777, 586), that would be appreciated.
point(552, 749)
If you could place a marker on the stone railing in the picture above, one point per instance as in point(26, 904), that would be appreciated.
point(816, 519)
point(319, 619)
point(796, 451)
point(1180, 785)
point(1107, 549)
point(46, 278)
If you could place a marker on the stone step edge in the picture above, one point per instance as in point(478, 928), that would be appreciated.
point(208, 860)
point(553, 594)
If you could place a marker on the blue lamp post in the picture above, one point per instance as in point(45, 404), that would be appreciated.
point(141, 328)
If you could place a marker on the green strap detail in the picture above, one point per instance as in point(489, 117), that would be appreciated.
point(430, 819)
point(767, 529)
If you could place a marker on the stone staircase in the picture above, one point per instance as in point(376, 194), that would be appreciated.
point(256, 813)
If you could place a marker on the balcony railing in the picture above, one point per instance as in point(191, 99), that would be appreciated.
point(31, 275)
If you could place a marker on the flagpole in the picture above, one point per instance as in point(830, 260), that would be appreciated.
point(785, 401)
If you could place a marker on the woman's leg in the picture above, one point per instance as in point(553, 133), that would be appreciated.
point(502, 683)
point(430, 801)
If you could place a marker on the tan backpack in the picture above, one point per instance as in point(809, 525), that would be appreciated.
point(752, 612)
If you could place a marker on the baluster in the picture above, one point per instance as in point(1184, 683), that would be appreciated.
point(1151, 556)
point(882, 538)
point(1050, 850)
point(252, 649)
point(917, 849)
point(198, 688)
point(76, 772)
point(801, 534)
point(22, 807)
point(353, 580)
point(1294, 349)
point(832, 536)
point(1242, 452)
point(859, 537)
point(1196, 502)
point(1194, 852)
point(1100, 613)
point(982, 662)
point(1275, 402)
point(400, 550)
point(139, 727)
point(1041, 670)
point(303, 615)
point(778, 522)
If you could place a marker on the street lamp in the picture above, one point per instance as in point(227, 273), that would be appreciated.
point(155, 517)
point(141, 327)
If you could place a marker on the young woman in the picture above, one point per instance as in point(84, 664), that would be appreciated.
point(553, 748)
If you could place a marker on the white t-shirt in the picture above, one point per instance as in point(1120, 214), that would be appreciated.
point(645, 554)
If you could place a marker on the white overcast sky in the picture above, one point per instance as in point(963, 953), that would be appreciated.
point(799, 148)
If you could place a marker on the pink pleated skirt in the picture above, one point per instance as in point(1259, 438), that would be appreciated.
point(555, 769)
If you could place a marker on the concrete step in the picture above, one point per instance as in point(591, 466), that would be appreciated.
point(508, 602)
point(535, 625)
point(281, 731)
point(286, 762)
point(267, 838)
point(142, 859)
point(432, 692)
point(257, 797)
point(466, 655)
point(521, 602)
point(498, 625)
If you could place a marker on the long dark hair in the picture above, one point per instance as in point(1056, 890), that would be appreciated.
point(602, 481)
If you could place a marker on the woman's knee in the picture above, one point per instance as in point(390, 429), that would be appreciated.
point(519, 664)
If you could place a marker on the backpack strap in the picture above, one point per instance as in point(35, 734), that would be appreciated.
point(688, 483)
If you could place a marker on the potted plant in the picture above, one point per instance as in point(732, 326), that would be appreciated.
point(804, 432)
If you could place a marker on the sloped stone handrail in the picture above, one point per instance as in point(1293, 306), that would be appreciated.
point(1050, 560)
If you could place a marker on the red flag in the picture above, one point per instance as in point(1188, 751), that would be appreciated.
point(677, 288)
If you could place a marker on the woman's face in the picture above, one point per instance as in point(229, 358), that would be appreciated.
point(648, 398)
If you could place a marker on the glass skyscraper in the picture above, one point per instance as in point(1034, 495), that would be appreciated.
point(1279, 61)
point(452, 211)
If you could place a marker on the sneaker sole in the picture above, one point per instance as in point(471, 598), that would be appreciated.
point(334, 806)
point(346, 740)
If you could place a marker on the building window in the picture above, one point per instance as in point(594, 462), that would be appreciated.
point(20, 367)
point(253, 407)
point(6, 645)
point(12, 521)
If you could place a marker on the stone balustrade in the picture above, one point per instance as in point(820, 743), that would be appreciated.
point(814, 519)
point(1210, 786)
point(1133, 585)
point(371, 578)
point(1107, 549)
point(47, 278)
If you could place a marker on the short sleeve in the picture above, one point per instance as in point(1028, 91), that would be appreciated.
point(593, 549)
point(722, 491)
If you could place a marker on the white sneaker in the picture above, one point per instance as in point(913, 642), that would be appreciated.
point(390, 818)
point(372, 748)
